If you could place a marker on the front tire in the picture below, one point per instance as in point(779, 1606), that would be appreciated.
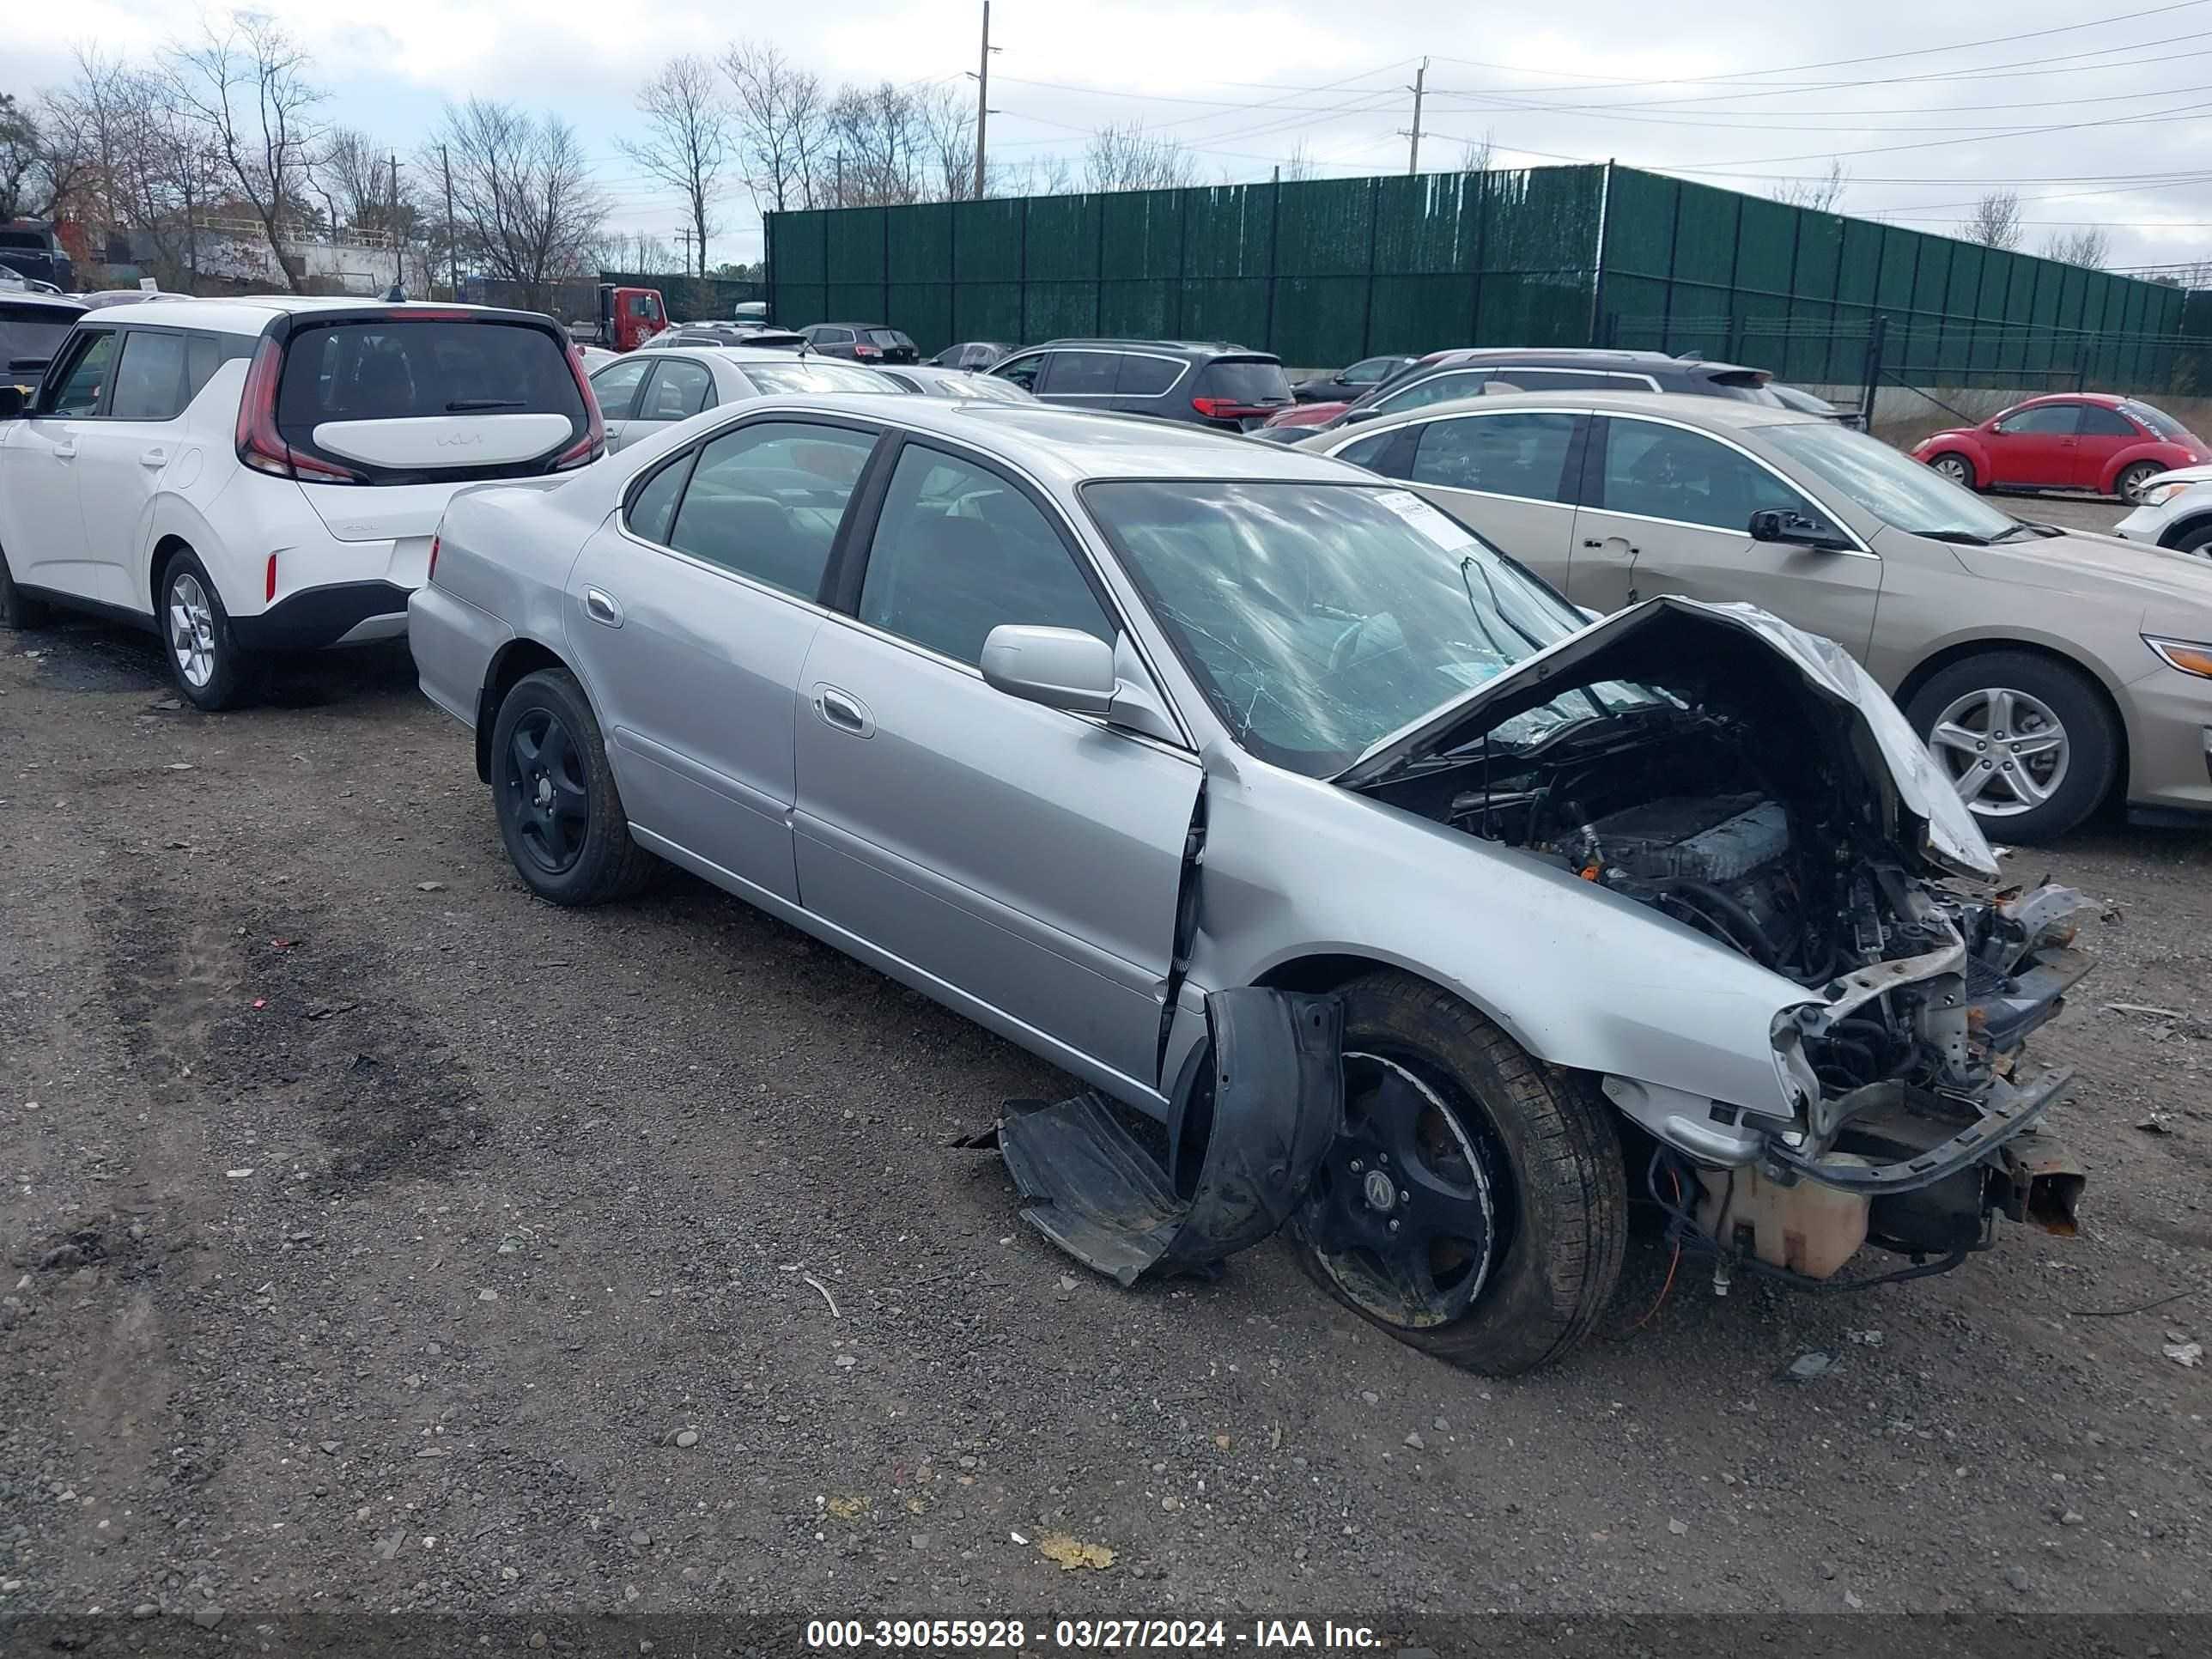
point(2029, 742)
point(1503, 1178)
point(559, 813)
point(18, 609)
point(2128, 486)
point(210, 668)
point(1957, 468)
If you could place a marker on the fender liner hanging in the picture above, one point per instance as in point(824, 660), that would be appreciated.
point(1256, 1113)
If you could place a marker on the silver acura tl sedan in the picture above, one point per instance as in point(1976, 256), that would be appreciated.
point(1087, 729)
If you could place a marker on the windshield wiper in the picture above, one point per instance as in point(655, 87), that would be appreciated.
point(466, 405)
point(2019, 527)
point(1958, 537)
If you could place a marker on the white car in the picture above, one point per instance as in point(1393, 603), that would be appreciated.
point(251, 476)
point(644, 392)
point(2174, 510)
point(955, 383)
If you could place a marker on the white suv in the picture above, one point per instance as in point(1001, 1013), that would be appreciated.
point(250, 477)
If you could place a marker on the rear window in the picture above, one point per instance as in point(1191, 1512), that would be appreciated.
point(888, 336)
point(1748, 386)
point(394, 369)
point(1246, 380)
point(2156, 419)
point(31, 332)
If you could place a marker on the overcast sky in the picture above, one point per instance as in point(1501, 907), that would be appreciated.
point(2097, 114)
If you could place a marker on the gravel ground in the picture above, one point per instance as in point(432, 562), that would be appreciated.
point(382, 1238)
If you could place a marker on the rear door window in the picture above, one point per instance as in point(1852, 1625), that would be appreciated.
point(1083, 374)
point(1146, 377)
point(149, 381)
point(1519, 455)
point(616, 388)
point(2098, 422)
point(679, 392)
point(402, 368)
point(1245, 380)
point(765, 500)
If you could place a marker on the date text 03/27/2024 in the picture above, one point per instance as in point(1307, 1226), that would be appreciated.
point(1106, 1635)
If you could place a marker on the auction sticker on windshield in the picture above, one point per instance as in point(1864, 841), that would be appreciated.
point(1425, 519)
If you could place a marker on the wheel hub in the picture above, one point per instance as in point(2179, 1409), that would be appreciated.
point(544, 793)
point(2006, 751)
point(1380, 1191)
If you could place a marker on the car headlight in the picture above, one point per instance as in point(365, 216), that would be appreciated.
point(2160, 495)
point(2189, 657)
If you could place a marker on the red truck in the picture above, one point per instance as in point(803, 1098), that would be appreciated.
point(628, 317)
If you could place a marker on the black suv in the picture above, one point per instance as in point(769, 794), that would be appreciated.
point(1443, 376)
point(863, 342)
point(1228, 387)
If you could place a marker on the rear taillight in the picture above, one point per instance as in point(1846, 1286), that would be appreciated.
point(589, 447)
point(431, 574)
point(260, 445)
point(269, 588)
point(867, 351)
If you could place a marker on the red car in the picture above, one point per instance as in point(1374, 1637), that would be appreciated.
point(2079, 441)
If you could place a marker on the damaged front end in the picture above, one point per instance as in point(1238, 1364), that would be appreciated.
point(1751, 782)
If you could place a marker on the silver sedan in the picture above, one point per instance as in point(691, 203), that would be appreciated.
point(644, 391)
point(1087, 727)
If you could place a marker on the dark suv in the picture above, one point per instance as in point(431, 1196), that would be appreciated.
point(1208, 383)
point(1443, 376)
point(863, 342)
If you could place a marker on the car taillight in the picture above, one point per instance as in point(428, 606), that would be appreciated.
point(589, 447)
point(867, 351)
point(269, 588)
point(260, 445)
point(431, 574)
point(1228, 409)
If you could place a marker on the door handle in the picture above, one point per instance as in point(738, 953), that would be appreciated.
point(155, 458)
point(843, 711)
point(1593, 543)
point(66, 450)
point(601, 608)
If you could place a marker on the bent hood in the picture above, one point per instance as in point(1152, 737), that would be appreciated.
point(1655, 640)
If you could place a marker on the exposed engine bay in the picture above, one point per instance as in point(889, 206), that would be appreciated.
point(1748, 801)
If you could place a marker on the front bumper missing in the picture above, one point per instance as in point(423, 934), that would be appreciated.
point(2006, 1110)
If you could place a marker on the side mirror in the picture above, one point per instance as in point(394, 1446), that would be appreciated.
point(1354, 416)
point(1795, 529)
point(1059, 667)
point(13, 403)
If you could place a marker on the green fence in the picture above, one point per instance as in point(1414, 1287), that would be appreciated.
point(1321, 272)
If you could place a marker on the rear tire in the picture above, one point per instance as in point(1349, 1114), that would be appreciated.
point(559, 814)
point(1965, 699)
point(211, 669)
point(2128, 486)
point(1535, 1260)
point(18, 609)
point(1957, 468)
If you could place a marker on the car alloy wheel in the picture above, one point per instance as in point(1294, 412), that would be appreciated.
point(2005, 751)
point(543, 775)
point(1955, 469)
point(191, 629)
point(2133, 481)
point(1405, 1216)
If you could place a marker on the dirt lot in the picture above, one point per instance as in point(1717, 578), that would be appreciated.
point(375, 1231)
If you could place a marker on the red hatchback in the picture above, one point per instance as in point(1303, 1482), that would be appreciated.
point(2080, 440)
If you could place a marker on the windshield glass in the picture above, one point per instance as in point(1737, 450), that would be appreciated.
point(817, 377)
point(2156, 419)
point(1895, 488)
point(977, 388)
point(1318, 617)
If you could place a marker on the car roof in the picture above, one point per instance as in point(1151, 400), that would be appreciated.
point(1193, 348)
point(2107, 399)
point(30, 297)
point(1585, 357)
point(1073, 445)
point(752, 353)
point(1688, 408)
point(249, 313)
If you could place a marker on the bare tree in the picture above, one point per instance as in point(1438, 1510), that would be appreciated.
point(1298, 165)
point(948, 123)
point(42, 164)
point(781, 126)
point(1995, 222)
point(354, 179)
point(249, 88)
point(1048, 175)
point(1822, 195)
point(1478, 154)
point(524, 206)
point(1129, 158)
point(690, 136)
point(884, 146)
point(2087, 246)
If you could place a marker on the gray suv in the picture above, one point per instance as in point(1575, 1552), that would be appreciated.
point(1228, 387)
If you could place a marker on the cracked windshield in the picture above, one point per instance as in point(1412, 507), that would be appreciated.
point(1318, 617)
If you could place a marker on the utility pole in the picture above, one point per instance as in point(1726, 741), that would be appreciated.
point(391, 224)
point(841, 178)
point(685, 232)
point(983, 97)
point(452, 243)
point(1421, 82)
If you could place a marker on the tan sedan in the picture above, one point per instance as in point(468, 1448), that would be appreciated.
point(2049, 671)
